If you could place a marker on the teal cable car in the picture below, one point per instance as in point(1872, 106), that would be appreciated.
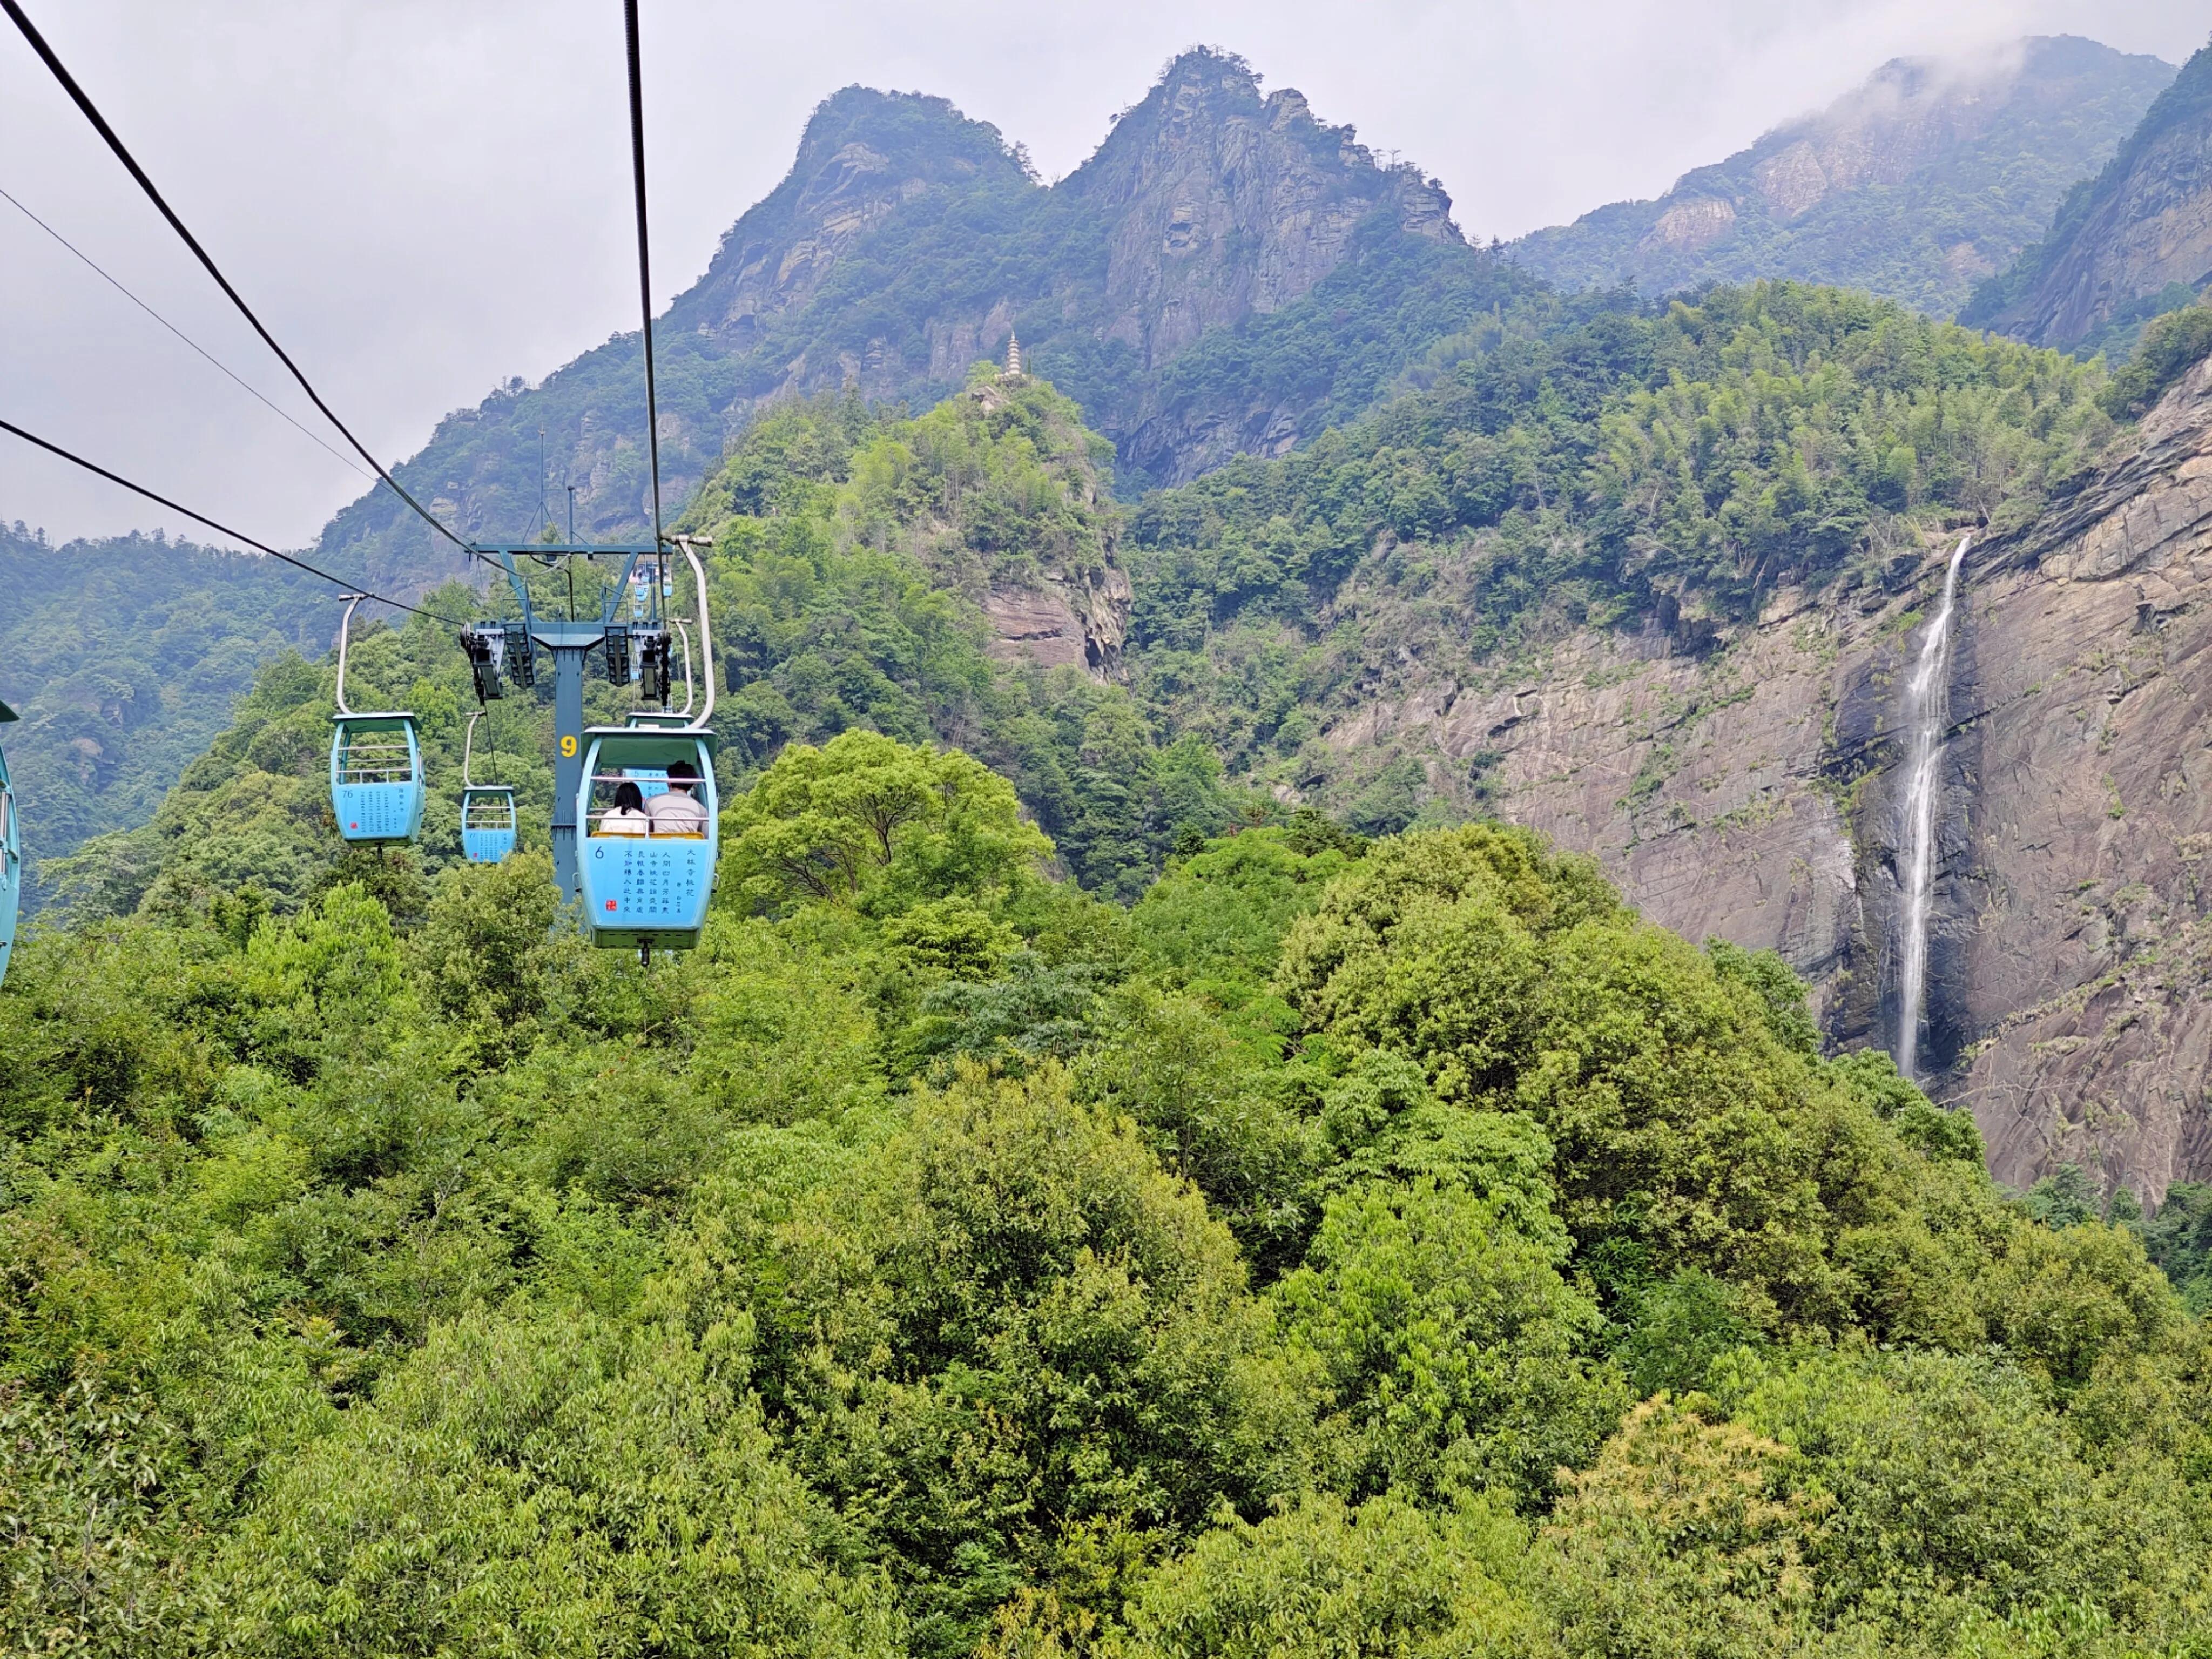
point(11, 859)
point(647, 863)
point(376, 763)
point(487, 809)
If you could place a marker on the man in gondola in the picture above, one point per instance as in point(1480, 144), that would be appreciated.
point(679, 811)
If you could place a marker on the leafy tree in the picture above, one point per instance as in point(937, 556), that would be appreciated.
point(870, 821)
point(2180, 1239)
point(96, 1550)
point(1686, 1537)
point(2064, 1198)
point(1678, 1327)
point(2173, 345)
point(1449, 1342)
point(950, 1261)
point(1213, 1110)
point(569, 1484)
point(1385, 1578)
point(1220, 915)
point(1008, 1327)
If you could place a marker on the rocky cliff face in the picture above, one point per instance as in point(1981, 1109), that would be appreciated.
point(1929, 177)
point(2136, 241)
point(1750, 790)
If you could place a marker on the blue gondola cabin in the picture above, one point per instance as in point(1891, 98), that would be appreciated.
point(376, 777)
point(646, 861)
point(486, 822)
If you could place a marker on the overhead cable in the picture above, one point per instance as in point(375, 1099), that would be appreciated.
point(131, 165)
point(96, 269)
point(644, 258)
point(94, 468)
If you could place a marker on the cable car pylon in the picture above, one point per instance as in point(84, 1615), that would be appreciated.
point(500, 650)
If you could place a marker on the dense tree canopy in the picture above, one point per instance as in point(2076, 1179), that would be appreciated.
point(1352, 1248)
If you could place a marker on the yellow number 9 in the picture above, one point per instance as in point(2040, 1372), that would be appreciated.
point(569, 743)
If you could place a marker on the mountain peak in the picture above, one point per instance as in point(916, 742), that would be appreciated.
point(1225, 204)
point(863, 154)
point(1204, 80)
point(914, 130)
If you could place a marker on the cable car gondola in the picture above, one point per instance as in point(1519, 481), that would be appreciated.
point(376, 763)
point(11, 859)
point(487, 809)
point(647, 864)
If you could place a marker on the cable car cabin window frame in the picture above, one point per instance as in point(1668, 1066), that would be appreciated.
point(487, 844)
point(378, 797)
point(646, 887)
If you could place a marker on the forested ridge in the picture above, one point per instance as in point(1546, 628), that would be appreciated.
point(1556, 461)
point(124, 657)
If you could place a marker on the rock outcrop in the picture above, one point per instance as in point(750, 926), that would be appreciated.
point(1927, 178)
point(1064, 619)
point(2136, 240)
point(1748, 791)
point(863, 155)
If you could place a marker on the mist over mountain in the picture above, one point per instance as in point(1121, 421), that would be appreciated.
point(1925, 180)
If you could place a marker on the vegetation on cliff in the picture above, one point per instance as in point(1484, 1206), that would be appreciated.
point(1568, 462)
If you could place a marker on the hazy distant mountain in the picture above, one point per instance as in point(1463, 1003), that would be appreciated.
point(1925, 180)
point(2132, 242)
point(1225, 275)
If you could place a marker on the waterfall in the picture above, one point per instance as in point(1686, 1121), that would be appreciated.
point(1926, 700)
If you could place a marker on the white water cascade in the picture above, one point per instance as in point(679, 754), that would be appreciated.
point(1927, 711)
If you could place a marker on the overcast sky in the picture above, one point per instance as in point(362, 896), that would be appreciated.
point(425, 196)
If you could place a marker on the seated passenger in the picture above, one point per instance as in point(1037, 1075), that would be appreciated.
point(626, 815)
point(678, 812)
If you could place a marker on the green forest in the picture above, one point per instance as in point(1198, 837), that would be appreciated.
point(1073, 1204)
point(1133, 1168)
point(1352, 1247)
